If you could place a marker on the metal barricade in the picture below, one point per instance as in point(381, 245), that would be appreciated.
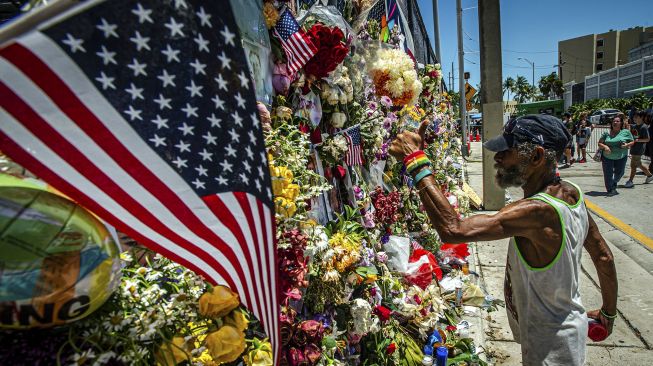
point(593, 142)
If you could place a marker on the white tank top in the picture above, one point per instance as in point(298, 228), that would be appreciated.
point(544, 308)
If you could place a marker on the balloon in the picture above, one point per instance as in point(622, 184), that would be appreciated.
point(58, 262)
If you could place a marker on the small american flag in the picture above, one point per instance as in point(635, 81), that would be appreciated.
point(354, 153)
point(144, 112)
point(297, 46)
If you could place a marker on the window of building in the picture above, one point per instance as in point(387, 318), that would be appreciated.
point(599, 42)
point(599, 55)
point(599, 67)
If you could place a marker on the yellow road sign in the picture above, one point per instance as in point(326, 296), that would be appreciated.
point(469, 91)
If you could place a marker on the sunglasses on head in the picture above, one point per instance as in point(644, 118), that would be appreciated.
point(522, 135)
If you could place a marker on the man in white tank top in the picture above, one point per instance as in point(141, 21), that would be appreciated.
point(548, 229)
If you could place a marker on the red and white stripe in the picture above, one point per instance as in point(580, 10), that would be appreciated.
point(58, 125)
point(353, 155)
point(298, 50)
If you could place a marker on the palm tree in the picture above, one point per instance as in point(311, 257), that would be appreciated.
point(551, 85)
point(522, 89)
point(509, 86)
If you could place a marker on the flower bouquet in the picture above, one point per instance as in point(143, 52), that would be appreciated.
point(394, 75)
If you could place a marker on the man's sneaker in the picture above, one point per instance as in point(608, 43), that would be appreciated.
point(629, 184)
point(649, 179)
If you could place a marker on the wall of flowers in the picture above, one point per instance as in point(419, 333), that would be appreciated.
point(364, 278)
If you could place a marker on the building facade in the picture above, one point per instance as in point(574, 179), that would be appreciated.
point(585, 55)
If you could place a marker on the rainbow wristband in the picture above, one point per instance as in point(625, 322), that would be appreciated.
point(421, 175)
point(413, 156)
point(416, 162)
point(417, 165)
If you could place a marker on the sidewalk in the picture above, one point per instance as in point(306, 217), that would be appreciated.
point(632, 338)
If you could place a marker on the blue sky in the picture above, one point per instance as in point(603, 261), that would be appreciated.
point(531, 29)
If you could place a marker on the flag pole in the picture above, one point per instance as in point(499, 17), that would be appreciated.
point(32, 19)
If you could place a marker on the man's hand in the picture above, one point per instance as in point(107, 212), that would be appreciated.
point(607, 322)
point(408, 142)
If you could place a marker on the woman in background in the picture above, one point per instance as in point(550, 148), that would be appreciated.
point(614, 145)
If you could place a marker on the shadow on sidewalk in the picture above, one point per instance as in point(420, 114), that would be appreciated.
point(596, 194)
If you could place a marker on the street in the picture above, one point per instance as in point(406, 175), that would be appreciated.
point(625, 223)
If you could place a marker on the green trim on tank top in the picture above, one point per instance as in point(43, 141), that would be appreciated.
point(562, 245)
point(580, 198)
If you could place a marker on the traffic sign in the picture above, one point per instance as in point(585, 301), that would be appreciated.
point(469, 91)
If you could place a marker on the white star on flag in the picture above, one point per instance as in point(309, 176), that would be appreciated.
point(143, 14)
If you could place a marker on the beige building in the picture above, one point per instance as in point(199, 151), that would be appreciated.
point(586, 55)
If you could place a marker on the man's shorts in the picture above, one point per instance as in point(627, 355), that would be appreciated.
point(635, 161)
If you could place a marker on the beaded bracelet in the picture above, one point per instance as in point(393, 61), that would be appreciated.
point(608, 316)
point(421, 175)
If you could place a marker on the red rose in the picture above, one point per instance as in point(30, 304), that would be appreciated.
point(336, 35)
point(296, 357)
point(451, 328)
point(392, 347)
point(382, 312)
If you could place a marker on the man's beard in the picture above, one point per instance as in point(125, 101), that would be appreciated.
point(510, 177)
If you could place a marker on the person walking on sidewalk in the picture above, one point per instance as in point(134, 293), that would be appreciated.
point(615, 144)
point(583, 132)
point(641, 138)
point(548, 229)
point(569, 153)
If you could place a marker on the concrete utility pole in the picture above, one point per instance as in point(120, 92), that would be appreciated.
point(436, 32)
point(461, 77)
point(491, 95)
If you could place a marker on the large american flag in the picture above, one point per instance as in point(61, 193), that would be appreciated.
point(297, 46)
point(144, 112)
point(354, 148)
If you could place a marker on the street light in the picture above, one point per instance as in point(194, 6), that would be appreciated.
point(532, 65)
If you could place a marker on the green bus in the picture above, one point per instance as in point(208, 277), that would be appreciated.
point(552, 107)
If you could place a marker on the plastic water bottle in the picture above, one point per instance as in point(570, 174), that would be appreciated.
point(596, 331)
point(442, 354)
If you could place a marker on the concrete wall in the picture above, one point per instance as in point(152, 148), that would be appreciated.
point(614, 82)
point(610, 50)
point(577, 58)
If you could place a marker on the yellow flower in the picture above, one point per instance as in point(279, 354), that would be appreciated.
point(237, 320)
point(205, 359)
point(270, 14)
point(284, 207)
point(261, 355)
point(371, 278)
point(218, 302)
point(291, 192)
point(172, 353)
point(225, 344)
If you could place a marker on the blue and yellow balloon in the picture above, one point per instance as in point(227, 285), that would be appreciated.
point(58, 262)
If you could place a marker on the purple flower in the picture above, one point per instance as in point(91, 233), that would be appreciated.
point(372, 105)
point(358, 193)
point(382, 257)
point(386, 101)
point(385, 238)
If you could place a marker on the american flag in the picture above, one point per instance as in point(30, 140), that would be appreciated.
point(297, 46)
point(144, 112)
point(354, 153)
